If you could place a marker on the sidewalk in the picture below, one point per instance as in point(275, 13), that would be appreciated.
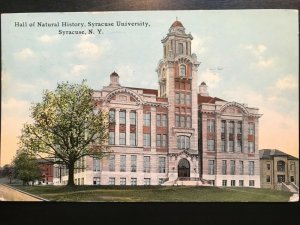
point(294, 197)
point(10, 194)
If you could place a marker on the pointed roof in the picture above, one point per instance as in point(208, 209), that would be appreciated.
point(270, 153)
point(177, 24)
point(208, 99)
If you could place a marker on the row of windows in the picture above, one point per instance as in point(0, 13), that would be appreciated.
point(183, 121)
point(281, 166)
point(133, 164)
point(133, 181)
point(231, 127)
point(211, 167)
point(182, 98)
point(280, 178)
point(241, 183)
point(231, 146)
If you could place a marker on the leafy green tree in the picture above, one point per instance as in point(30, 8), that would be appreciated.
point(26, 167)
point(66, 126)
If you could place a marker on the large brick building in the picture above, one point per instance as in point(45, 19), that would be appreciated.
point(177, 132)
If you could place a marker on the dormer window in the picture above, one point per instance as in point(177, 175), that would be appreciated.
point(182, 71)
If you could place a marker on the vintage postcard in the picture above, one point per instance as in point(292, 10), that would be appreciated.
point(190, 99)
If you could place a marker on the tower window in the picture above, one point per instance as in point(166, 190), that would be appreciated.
point(182, 71)
point(180, 48)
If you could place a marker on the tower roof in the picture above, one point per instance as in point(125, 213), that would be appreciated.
point(177, 24)
point(114, 74)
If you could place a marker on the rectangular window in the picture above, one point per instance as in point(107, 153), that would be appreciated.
point(177, 121)
point(96, 164)
point(96, 180)
point(241, 168)
point(122, 163)
point(182, 121)
point(182, 102)
point(231, 146)
point(232, 167)
point(122, 117)
point(268, 179)
point(292, 179)
point(111, 162)
point(164, 140)
point(210, 145)
point(146, 181)
point(223, 126)
point(188, 122)
point(232, 183)
point(231, 127)
point(82, 181)
point(251, 183)
point(180, 48)
point(158, 140)
point(146, 164)
point(224, 167)
point(132, 139)
point(111, 116)
point(239, 127)
point(122, 138)
point(211, 167)
point(251, 129)
point(133, 118)
point(111, 138)
point(239, 146)
point(292, 166)
point(162, 165)
point(188, 99)
point(241, 183)
point(223, 146)
point(251, 167)
point(147, 119)
point(111, 181)
point(133, 163)
point(133, 181)
point(268, 166)
point(122, 181)
point(164, 120)
point(250, 146)
point(280, 178)
point(224, 183)
point(177, 98)
point(147, 140)
point(210, 126)
point(158, 120)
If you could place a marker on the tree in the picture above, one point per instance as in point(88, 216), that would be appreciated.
point(8, 171)
point(27, 167)
point(67, 126)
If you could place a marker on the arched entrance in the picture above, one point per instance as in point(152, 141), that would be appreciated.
point(183, 168)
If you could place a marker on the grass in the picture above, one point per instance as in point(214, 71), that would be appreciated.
point(156, 194)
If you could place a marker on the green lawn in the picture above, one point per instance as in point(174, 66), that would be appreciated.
point(156, 194)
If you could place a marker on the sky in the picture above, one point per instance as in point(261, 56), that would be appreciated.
point(247, 56)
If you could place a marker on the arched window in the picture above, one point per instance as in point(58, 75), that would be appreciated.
point(183, 142)
point(281, 166)
point(182, 71)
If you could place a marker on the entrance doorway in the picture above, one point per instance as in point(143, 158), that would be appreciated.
point(183, 168)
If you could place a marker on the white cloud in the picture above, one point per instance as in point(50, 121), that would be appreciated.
point(255, 49)
point(24, 54)
point(89, 49)
point(199, 45)
point(212, 79)
point(15, 104)
point(77, 70)
point(288, 82)
point(48, 39)
point(263, 63)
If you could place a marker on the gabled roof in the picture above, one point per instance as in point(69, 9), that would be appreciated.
point(270, 153)
point(208, 99)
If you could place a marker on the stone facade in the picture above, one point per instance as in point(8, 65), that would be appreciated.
point(175, 132)
point(277, 167)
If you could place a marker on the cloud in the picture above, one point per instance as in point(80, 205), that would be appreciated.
point(16, 105)
point(77, 70)
point(48, 39)
point(288, 82)
point(258, 51)
point(212, 79)
point(24, 54)
point(88, 49)
point(199, 45)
